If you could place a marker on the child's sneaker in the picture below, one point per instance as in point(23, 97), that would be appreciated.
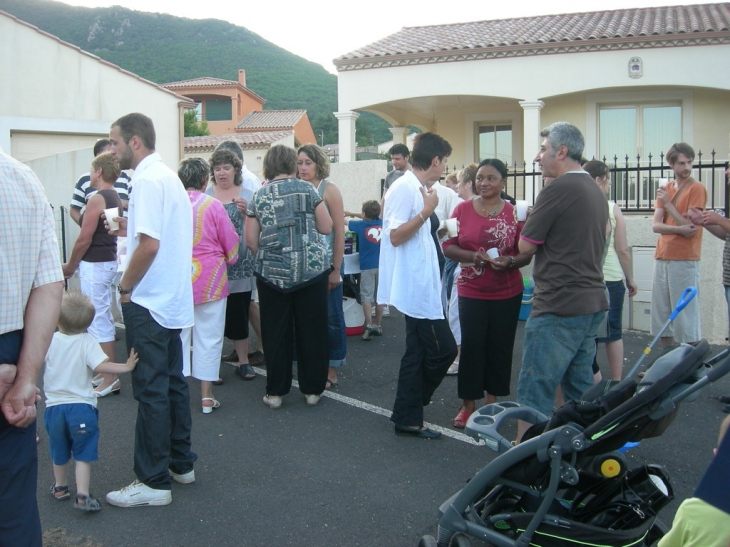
point(376, 330)
point(60, 493)
point(86, 503)
point(386, 311)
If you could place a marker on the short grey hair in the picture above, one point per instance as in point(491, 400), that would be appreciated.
point(565, 134)
point(193, 172)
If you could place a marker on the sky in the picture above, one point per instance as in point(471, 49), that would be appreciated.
point(321, 30)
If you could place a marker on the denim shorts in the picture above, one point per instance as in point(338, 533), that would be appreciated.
point(614, 325)
point(72, 429)
point(557, 351)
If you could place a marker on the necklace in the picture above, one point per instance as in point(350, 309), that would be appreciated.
point(490, 214)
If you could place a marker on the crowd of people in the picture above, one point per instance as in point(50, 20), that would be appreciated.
point(210, 251)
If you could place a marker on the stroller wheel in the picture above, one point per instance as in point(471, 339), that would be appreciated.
point(459, 540)
point(427, 541)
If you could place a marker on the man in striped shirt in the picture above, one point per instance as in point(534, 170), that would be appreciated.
point(83, 190)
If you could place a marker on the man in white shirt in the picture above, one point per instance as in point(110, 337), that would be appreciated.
point(410, 280)
point(157, 302)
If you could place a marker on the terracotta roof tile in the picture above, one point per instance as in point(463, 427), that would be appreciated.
point(602, 30)
point(200, 82)
point(206, 82)
point(248, 141)
point(270, 119)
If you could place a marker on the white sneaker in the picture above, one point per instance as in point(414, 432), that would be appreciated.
point(138, 494)
point(386, 311)
point(183, 478)
point(312, 399)
point(273, 401)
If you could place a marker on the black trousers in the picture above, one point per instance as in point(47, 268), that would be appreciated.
point(162, 432)
point(430, 350)
point(300, 314)
point(488, 330)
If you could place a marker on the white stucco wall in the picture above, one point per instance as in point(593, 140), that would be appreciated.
point(532, 77)
point(358, 181)
point(52, 88)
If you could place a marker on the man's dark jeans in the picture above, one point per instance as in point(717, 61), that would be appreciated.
point(162, 433)
point(430, 350)
point(20, 523)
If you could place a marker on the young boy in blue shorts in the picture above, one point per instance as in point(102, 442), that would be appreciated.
point(71, 417)
point(368, 236)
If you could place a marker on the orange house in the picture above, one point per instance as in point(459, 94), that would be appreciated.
point(222, 103)
point(230, 107)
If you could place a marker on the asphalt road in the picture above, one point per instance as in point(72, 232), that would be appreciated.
point(331, 475)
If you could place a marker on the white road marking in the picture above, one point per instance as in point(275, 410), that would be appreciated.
point(384, 412)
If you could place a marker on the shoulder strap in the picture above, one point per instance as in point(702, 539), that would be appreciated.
point(675, 199)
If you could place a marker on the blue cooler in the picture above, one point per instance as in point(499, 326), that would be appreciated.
point(527, 295)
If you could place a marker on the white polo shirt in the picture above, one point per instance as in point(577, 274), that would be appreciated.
point(408, 276)
point(160, 208)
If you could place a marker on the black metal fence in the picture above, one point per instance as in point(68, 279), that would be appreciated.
point(61, 216)
point(634, 181)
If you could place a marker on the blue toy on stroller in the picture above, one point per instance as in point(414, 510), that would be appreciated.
point(567, 483)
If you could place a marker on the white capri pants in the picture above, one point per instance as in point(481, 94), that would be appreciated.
point(454, 323)
point(207, 341)
point(96, 283)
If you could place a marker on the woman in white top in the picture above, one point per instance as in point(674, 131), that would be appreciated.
point(616, 269)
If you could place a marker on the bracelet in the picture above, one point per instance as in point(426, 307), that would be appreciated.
point(512, 262)
point(420, 215)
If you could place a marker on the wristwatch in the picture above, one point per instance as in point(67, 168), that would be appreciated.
point(122, 291)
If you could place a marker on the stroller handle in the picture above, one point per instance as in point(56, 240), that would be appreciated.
point(688, 294)
point(719, 370)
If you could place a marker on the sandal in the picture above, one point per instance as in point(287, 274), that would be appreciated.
point(329, 384)
point(218, 382)
point(453, 369)
point(60, 493)
point(246, 371)
point(86, 503)
point(207, 409)
point(461, 419)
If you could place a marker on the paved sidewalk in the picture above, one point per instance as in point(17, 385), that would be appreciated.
point(331, 475)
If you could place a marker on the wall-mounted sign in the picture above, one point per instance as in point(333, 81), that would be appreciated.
point(636, 67)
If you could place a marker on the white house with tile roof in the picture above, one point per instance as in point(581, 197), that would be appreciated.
point(634, 81)
point(253, 143)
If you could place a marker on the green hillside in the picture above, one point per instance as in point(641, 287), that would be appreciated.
point(163, 48)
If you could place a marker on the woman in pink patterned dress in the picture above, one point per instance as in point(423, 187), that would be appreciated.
point(215, 245)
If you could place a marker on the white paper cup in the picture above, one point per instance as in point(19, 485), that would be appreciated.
point(111, 214)
point(493, 252)
point(521, 206)
point(452, 226)
point(663, 182)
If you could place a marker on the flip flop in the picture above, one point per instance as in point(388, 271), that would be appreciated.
point(329, 384)
point(461, 419)
point(218, 382)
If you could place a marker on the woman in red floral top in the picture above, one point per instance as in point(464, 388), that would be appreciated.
point(490, 289)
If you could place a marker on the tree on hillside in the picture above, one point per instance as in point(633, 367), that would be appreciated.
point(192, 127)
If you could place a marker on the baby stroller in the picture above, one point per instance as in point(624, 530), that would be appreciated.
point(567, 483)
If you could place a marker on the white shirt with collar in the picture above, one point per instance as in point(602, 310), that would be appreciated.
point(408, 276)
point(250, 181)
point(160, 208)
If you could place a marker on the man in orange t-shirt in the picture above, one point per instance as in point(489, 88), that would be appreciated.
point(677, 256)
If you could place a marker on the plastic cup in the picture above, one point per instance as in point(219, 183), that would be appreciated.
point(452, 227)
point(111, 214)
point(521, 206)
point(493, 252)
point(663, 182)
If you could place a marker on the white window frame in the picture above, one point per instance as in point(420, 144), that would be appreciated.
point(594, 102)
point(471, 136)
